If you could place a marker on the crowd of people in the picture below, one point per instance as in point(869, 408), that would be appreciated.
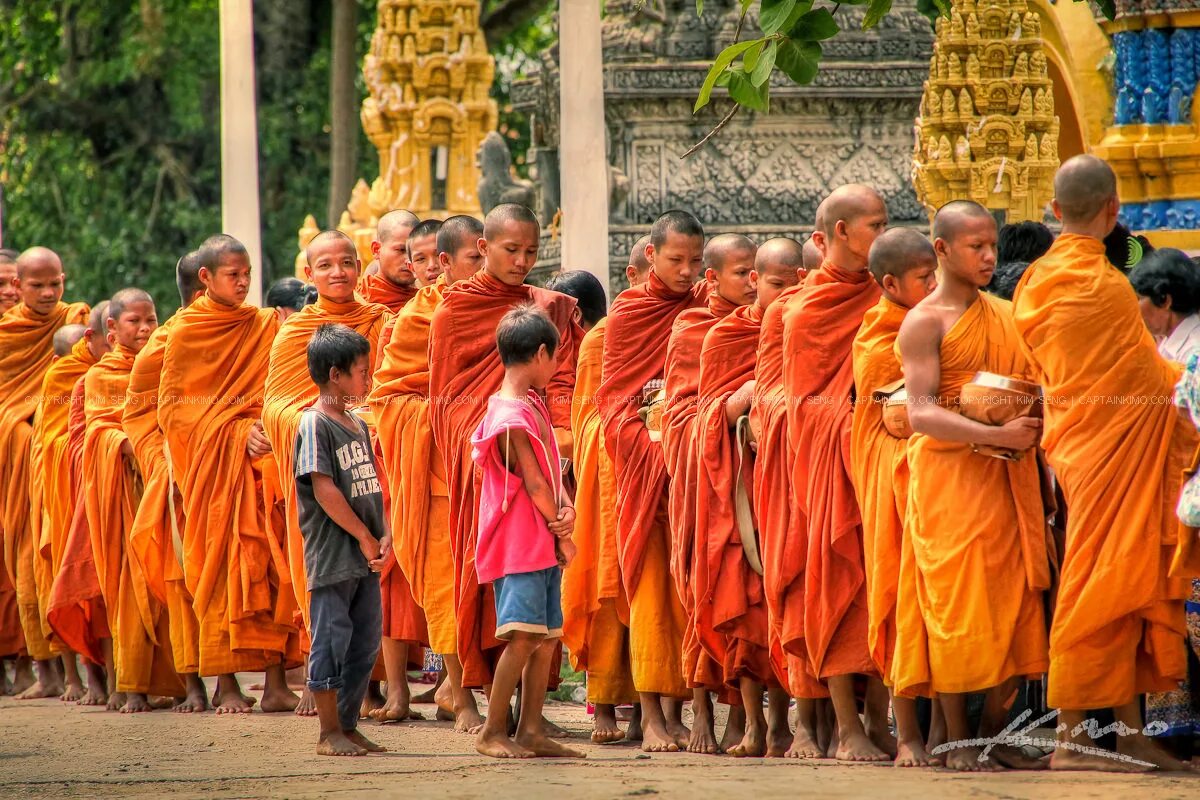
point(707, 492)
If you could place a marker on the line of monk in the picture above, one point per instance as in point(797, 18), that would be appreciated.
point(783, 493)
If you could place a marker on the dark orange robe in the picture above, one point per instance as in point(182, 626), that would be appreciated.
point(378, 289)
point(821, 574)
point(464, 370)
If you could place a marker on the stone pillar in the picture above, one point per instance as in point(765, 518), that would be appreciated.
point(239, 137)
point(583, 162)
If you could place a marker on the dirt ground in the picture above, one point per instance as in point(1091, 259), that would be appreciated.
point(50, 749)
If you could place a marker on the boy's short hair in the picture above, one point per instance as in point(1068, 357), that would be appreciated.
point(522, 331)
point(333, 345)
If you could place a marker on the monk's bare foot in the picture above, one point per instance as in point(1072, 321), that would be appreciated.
point(158, 702)
point(858, 747)
point(195, 703)
point(735, 730)
point(779, 740)
point(116, 701)
point(554, 731)
point(703, 739)
point(658, 739)
point(295, 678)
point(136, 703)
point(914, 754)
point(337, 744)
point(234, 702)
point(545, 747)
point(394, 709)
point(882, 738)
point(443, 695)
point(804, 745)
point(680, 733)
point(1014, 758)
point(752, 745)
point(307, 707)
point(22, 676)
point(604, 725)
point(39, 690)
point(966, 759)
point(427, 696)
point(1072, 760)
point(500, 747)
point(364, 742)
point(94, 696)
point(373, 700)
point(281, 700)
point(1143, 748)
point(634, 732)
point(468, 720)
point(74, 690)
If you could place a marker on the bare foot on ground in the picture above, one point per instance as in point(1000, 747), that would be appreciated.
point(337, 744)
point(858, 747)
point(136, 703)
point(364, 742)
point(279, 700)
point(914, 754)
point(545, 747)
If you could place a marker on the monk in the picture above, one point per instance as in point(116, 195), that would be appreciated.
point(422, 252)
point(414, 470)
point(635, 353)
point(1118, 630)
point(904, 265)
point(595, 607)
point(729, 601)
point(155, 539)
point(728, 268)
point(26, 351)
point(10, 287)
point(464, 370)
point(287, 296)
point(394, 284)
point(816, 568)
point(218, 350)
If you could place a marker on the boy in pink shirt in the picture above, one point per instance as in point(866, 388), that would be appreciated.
point(524, 539)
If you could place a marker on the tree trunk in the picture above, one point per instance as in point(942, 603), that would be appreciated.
point(343, 108)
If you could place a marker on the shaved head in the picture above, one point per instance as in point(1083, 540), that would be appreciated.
point(40, 280)
point(324, 238)
point(897, 251)
point(720, 249)
point(457, 232)
point(953, 217)
point(428, 227)
point(394, 223)
point(680, 222)
point(819, 217)
point(639, 264)
point(1083, 187)
point(500, 216)
point(125, 298)
point(98, 317)
point(811, 255)
point(780, 253)
point(187, 278)
point(847, 204)
point(36, 258)
point(66, 337)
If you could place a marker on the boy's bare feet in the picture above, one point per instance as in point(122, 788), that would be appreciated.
point(22, 675)
point(228, 697)
point(679, 733)
point(657, 739)
point(196, 700)
point(1143, 748)
point(914, 754)
point(1070, 760)
point(116, 701)
point(554, 731)
point(604, 725)
point(278, 700)
point(338, 744)
point(545, 747)
point(307, 707)
point(857, 746)
point(735, 729)
point(374, 700)
point(966, 759)
point(499, 746)
point(136, 703)
point(48, 684)
point(364, 742)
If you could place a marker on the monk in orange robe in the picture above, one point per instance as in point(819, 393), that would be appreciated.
point(595, 607)
point(817, 569)
point(210, 400)
point(10, 288)
point(26, 350)
point(1118, 628)
point(980, 566)
point(422, 261)
point(464, 370)
point(394, 284)
point(729, 601)
point(635, 352)
point(413, 468)
point(155, 539)
point(903, 263)
point(728, 264)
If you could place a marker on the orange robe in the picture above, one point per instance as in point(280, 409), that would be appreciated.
point(210, 395)
point(1118, 448)
point(112, 493)
point(378, 289)
point(595, 608)
point(414, 470)
point(730, 600)
point(635, 352)
point(980, 565)
point(464, 370)
point(704, 649)
point(820, 574)
point(52, 501)
point(26, 351)
point(155, 546)
point(880, 471)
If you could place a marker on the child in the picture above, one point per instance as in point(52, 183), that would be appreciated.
point(525, 524)
point(340, 507)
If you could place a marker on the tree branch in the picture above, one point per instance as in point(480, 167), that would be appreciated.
point(713, 132)
point(506, 16)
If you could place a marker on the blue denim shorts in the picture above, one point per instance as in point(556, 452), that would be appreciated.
point(529, 602)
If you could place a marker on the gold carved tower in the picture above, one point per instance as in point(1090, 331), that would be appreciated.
point(987, 130)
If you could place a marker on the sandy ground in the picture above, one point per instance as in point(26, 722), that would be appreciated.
point(50, 749)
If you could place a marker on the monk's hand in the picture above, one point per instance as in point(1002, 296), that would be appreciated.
point(1019, 434)
point(738, 403)
point(127, 449)
point(258, 445)
point(565, 524)
point(372, 551)
point(385, 550)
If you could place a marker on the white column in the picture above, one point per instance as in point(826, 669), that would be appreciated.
point(239, 136)
point(583, 165)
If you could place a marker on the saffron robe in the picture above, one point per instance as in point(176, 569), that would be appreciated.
point(635, 352)
point(595, 607)
point(1118, 448)
point(376, 289)
point(821, 574)
point(26, 351)
point(980, 565)
point(464, 370)
point(235, 565)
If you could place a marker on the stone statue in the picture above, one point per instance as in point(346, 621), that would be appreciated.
point(496, 182)
point(1032, 26)
point(962, 151)
point(618, 183)
point(972, 26)
point(1031, 148)
point(972, 67)
point(1025, 110)
point(934, 108)
point(308, 231)
point(955, 66)
point(956, 25)
point(944, 152)
point(966, 108)
point(942, 70)
point(1021, 66)
point(1042, 103)
point(1014, 24)
point(1049, 148)
point(948, 103)
point(1038, 64)
point(632, 29)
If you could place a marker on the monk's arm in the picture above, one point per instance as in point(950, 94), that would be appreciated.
point(334, 503)
point(738, 403)
point(920, 344)
point(520, 451)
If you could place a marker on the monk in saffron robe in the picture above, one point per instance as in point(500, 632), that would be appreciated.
point(817, 569)
point(464, 370)
point(1118, 448)
point(728, 264)
point(635, 352)
point(414, 469)
point(903, 263)
point(394, 284)
point(155, 540)
point(10, 287)
point(26, 350)
point(210, 400)
point(731, 602)
point(420, 252)
point(595, 607)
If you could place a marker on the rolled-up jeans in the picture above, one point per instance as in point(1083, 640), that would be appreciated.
point(347, 625)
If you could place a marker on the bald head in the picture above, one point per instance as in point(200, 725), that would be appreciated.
point(394, 223)
point(98, 318)
point(123, 299)
point(675, 222)
point(897, 251)
point(811, 254)
point(187, 278)
point(40, 280)
point(780, 253)
point(639, 265)
point(325, 240)
point(66, 337)
point(958, 216)
point(849, 204)
point(457, 232)
point(507, 214)
point(1083, 188)
point(37, 259)
point(726, 248)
